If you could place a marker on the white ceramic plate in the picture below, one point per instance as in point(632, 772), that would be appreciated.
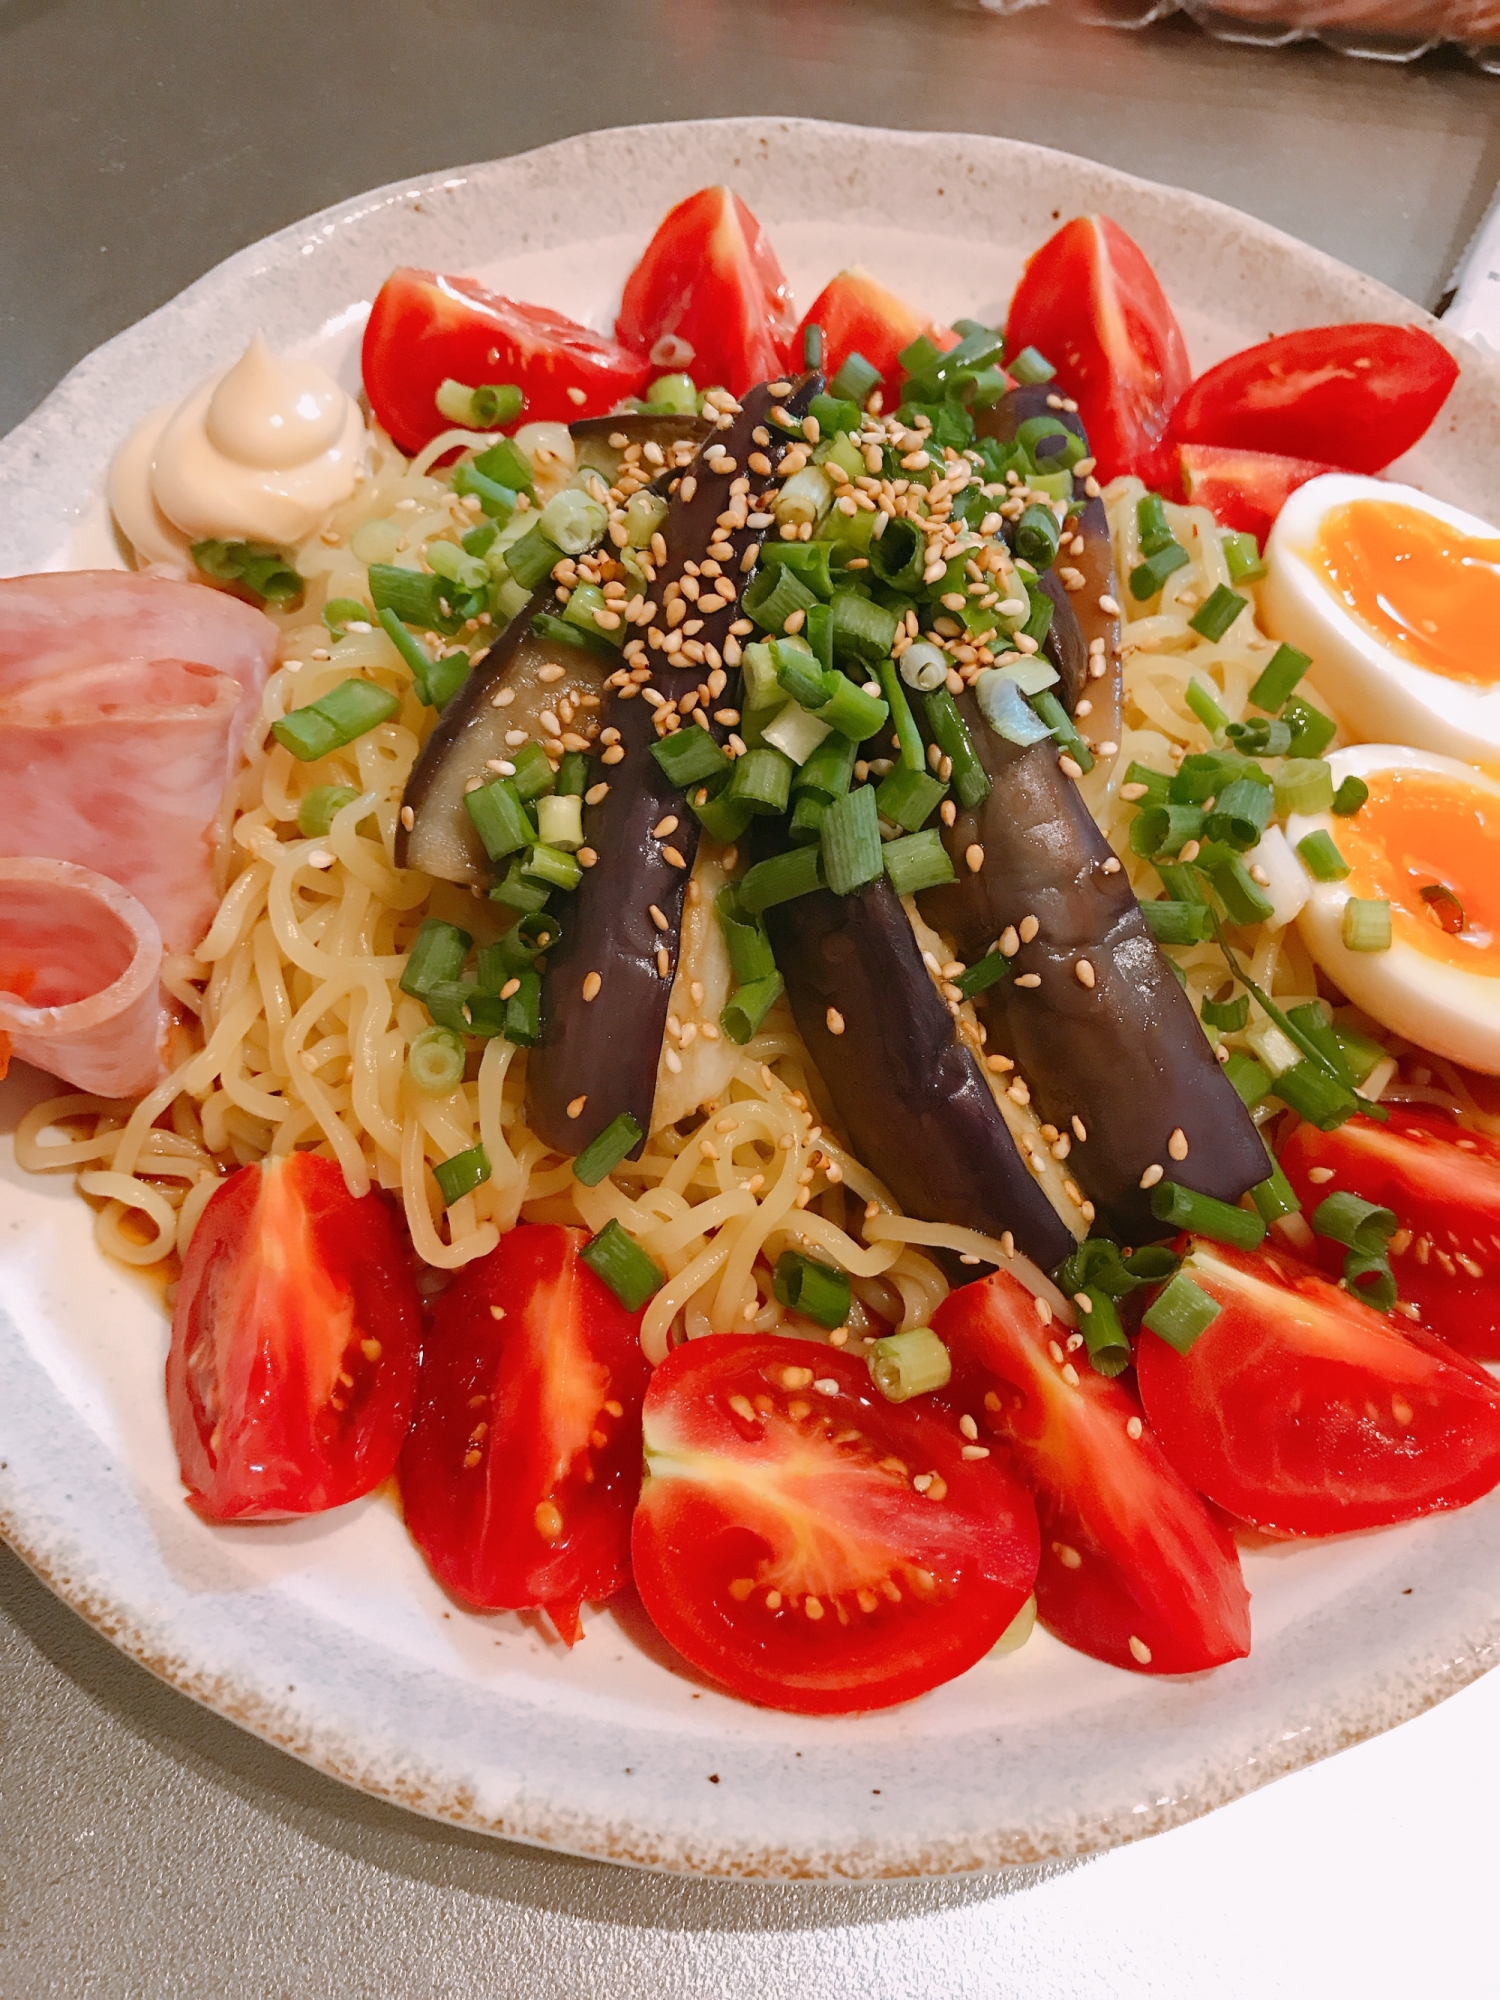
point(327, 1636)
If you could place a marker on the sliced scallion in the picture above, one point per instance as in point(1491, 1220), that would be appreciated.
point(1242, 557)
point(914, 1363)
point(619, 1260)
point(1181, 1312)
point(951, 734)
point(908, 798)
point(435, 1061)
point(982, 974)
point(605, 1151)
point(1247, 1078)
point(851, 844)
point(1105, 1338)
point(1201, 1215)
point(346, 712)
point(916, 862)
point(819, 1292)
point(1030, 368)
point(1367, 924)
point(1178, 923)
point(782, 877)
point(1312, 730)
point(689, 756)
point(1349, 797)
point(1148, 576)
point(437, 953)
point(855, 379)
point(1321, 858)
point(315, 814)
point(1357, 1224)
point(500, 818)
point(1203, 705)
point(742, 1014)
point(1217, 613)
point(1304, 785)
point(1278, 677)
point(461, 1174)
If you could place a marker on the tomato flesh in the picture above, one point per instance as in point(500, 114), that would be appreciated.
point(858, 316)
point(524, 1459)
point(1134, 1569)
point(1090, 302)
point(709, 282)
point(425, 329)
point(1244, 490)
point(1355, 397)
point(1304, 1411)
point(782, 1546)
point(294, 1344)
point(1443, 1185)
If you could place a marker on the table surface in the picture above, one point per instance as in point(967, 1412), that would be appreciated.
point(146, 1847)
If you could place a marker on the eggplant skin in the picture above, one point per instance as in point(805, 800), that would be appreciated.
point(1125, 1056)
point(910, 1095)
point(607, 1051)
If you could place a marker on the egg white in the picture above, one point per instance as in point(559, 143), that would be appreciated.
point(1442, 1007)
point(1377, 696)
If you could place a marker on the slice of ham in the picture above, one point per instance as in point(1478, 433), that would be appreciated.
point(79, 960)
point(124, 702)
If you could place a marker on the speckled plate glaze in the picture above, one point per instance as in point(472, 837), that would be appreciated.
point(327, 1636)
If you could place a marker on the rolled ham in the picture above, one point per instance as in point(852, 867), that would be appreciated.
point(79, 993)
point(124, 702)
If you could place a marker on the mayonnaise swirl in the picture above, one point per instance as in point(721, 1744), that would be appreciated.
point(261, 453)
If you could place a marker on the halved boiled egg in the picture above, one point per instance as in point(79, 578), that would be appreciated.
point(1395, 597)
point(1426, 841)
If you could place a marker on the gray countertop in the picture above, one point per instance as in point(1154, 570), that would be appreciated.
point(147, 1848)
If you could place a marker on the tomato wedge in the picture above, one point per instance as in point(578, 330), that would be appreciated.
point(524, 1460)
point(1134, 1569)
point(1244, 490)
point(294, 1344)
point(1443, 1185)
point(860, 317)
point(1306, 1412)
point(1355, 397)
point(1090, 302)
point(425, 329)
point(782, 1544)
point(708, 297)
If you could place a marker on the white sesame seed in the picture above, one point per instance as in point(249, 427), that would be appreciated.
point(835, 1021)
point(1177, 1145)
point(1083, 972)
point(591, 986)
point(575, 1109)
point(1139, 1650)
point(1320, 1174)
point(1152, 1175)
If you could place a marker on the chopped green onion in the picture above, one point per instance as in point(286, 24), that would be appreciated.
point(1064, 733)
point(572, 774)
point(1241, 813)
point(551, 865)
point(1204, 774)
point(761, 780)
point(624, 1266)
point(435, 1061)
point(533, 774)
point(1178, 923)
point(1321, 1099)
point(1370, 1279)
point(982, 974)
point(900, 555)
point(479, 409)
point(437, 953)
point(1029, 368)
point(1349, 797)
point(861, 628)
point(828, 771)
point(606, 1149)
point(1312, 730)
point(1247, 1078)
point(1006, 709)
point(411, 594)
point(644, 514)
point(532, 559)
point(1201, 1215)
point(676, 394)
point(1275, 1197)
point(340, 612)
point(565, 631)
point(750, 955)
point(805, 497)
point(914, 1363)
point(507, 465)
point(834, 414)
point(496, 501)
point(1321, 858)
point(1203, 705)
point(690, 756)
point(1230, 1016)
point(1218, 612)
point(908, 798)
point(1151, 524)
point(1157, 783)
point(809, 563)
point(1304, 785)
point(1367, 924)
point(500, 819)
point(412, 651)
point(951, 734)
point(852, 712)
point(1182, 882)
point(1147, 578)
point(852, 852)
point(1358, 1053)
point(1278, 677)
point(799, 674)
point(1180, 1312)
point(346, 712)
point(462, 1007)
point(1243, 558)
point(908, 737)
point(316, 812)
point(461, 1174)
point(523, 1011)
point(517, 893)
point(1245, 902)
point(855, 379)
point(1039, 621)
point(585, 602)
point(263, 572)
point(741, 1016)
point(1038, 536)
point(781, 878)
point(916, 862)
point(818, 1291)
point(722, 819)
point(776, 595)
point(1104, 1337)
point(808, 814)
point(559, 821)
point(1038, 431)
point(1261, 737)
point(1357, 1224)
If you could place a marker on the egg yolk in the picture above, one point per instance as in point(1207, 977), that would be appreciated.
point(1431, 593)
point(1423, 830)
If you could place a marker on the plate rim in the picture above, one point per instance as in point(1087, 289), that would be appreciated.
point(44, 1545)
